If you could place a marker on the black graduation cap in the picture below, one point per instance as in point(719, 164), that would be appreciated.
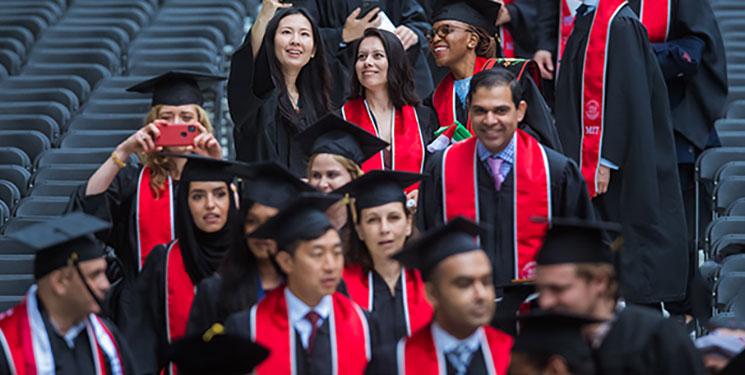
point(543, 332)
point(59, 241)
point(571, 240)
point(304, 219)
point(478, 13)
point(176, 87)
point(514, 294)
point(205, 168)
point(270, 184)
point(377, 188)
point(332, 135)
point(215, 352)
point(425, 253)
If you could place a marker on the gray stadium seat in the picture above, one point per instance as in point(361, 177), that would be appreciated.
point(16, 224)
point(65, 173)
point(41, 123)
point(14, 156)
point(19, 176)
point(76, 84)
point(730, 169)
point(733, 263)
point(65, 56)
point(727, 287)
point(727, 245)
point(723, 226)
point(19, 33)
point(41, 206)
point(732, 138)
point(727, 191)
point(10, 61)
point(58, 156)
point(56, 94)
point(91, 73)
point(15, 285)
point(9, 193)
point(16, 263)
point(101, 121)
point(56, 111)
point(10, 246)
point(707, 165)
point(52, 188)
point(126, 106)
point(88, 43)
point(4, 213)
point(736, 208)
point(31, 142)
point(94, 139)
point(709, 272)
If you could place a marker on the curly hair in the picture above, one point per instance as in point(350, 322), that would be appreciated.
point(487, 44)
point(162, 167)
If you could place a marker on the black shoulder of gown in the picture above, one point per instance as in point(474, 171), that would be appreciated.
point(524, 17)
point(205, 309)
point(641, 341)
point(146, 331)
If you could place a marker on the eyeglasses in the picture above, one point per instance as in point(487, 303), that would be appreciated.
point(444, 30)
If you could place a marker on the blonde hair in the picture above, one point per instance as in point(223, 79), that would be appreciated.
point(162, 167)
point(600, 271)
point(350, 166)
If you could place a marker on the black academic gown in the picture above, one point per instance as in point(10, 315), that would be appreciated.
point(261, 131)
point(206, 309)
point(318, 362)
point(523, 19)
point(147, 331)
point(118, 206)
point(641, 341)
point(568, 199)
point(644, 194)
point(697, 89)
point(78, 360)
point(333, 14)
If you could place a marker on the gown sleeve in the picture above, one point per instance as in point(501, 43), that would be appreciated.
point(574, 200)
point(146, 330)
point(429, 211)
point(204, 310)
point(238, 324)
point(523, 22)
point(547, 26)
point(675, 352)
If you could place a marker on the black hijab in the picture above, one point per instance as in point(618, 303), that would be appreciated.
point(203, 252)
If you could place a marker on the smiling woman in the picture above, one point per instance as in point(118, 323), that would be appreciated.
point(278, 86)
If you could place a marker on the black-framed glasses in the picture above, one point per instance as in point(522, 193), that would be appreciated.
point(444, 30)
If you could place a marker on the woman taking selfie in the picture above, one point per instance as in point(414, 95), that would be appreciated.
point(278, 85)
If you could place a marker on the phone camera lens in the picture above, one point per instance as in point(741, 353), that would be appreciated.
point(192, 128)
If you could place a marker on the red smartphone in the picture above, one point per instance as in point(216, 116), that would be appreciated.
point(174, 135)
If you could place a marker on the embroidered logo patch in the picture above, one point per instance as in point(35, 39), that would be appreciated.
point(592, 109)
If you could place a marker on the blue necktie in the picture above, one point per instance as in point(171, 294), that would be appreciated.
point(459, 358)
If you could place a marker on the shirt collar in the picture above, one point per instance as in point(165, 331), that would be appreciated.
point(447, 342)
point(297, 309)
point(508, 154)
point(72, 334)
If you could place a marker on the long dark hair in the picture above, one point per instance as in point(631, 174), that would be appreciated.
point(313, 83)
point(239, 274)
point(357, 252)
point(401, 84)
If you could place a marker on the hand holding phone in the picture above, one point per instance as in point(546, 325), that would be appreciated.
point(175, 135)
point(367, 7)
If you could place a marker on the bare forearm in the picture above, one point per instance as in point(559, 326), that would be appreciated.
point(100, 181)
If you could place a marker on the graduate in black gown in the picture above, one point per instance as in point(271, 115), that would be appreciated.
point(244, 277)
point(382, 225)
point(56, 328)
point(137, 195)
point(576, 274)
point(613, 117)
point(552, 343)
point(208, 226)
point(342, 24)
point(517, 21)
point(279, 85)
point(486, 191)
point(326, 330)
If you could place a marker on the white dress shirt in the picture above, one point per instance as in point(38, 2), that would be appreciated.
point(297, 310)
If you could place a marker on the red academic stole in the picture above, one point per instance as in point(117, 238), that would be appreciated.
point(506, 39)
point(407, 140)
point(532, 194)
point(655, 15)
point(419, 354)
point(154, 216)
point(21, 341)
point(350, 338)
point(444, 97)
point(417, 310)
point(179, 296)
point(593, 90)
